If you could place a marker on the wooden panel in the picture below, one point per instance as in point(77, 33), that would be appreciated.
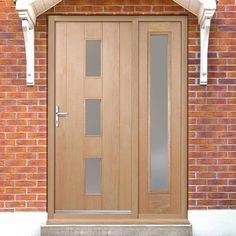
point(135, 118)
point(175, 117)
point(143, 118)
point(69, 151)
point(155, 202)
point(93, 202)
point(114, 147)
point(51, 119)
point(111, 142)
point(61, 100)
point(93, 31)
point(160, 202)
point(93, 88)
point(92, 146)
point(125, 180)
point(75, 127)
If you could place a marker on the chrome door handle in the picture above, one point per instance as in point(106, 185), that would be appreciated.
point(59, 114)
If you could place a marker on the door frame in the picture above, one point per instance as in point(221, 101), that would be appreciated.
point(55, 218)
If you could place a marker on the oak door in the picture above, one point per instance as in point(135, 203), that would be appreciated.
point(117, 120)
point(93, 134)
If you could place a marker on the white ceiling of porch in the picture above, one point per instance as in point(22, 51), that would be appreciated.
point(40, 6)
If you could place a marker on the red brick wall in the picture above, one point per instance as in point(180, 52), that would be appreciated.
point(212, 109)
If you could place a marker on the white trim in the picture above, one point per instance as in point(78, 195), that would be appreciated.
point(29, 48)
point(205, 15)
point(28, 19)
point(28, 10)
point(204, 10)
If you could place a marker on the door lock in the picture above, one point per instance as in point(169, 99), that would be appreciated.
point(59, 114)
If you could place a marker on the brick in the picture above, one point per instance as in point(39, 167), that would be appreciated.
point(15, 190)
point(25, 183)
point(37, 190)
point(217, 195)
point(206, 202)
point(15, 204)
point(217, 182)
point(28, 197)
point(227, 188)
point(6, 197)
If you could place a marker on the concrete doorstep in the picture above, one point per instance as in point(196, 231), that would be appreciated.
point(116, 230)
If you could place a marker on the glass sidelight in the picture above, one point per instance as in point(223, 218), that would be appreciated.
point(159, 162)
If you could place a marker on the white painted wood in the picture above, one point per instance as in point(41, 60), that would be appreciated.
point(205, 14)
point(29, 9)
point(39, 6)
point(29, 48)
point(28, 18)
point(205, 10)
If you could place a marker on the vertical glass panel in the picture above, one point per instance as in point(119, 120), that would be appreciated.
point(92, 116)
point(93, 58)
point(159, 179)
point(92, 175)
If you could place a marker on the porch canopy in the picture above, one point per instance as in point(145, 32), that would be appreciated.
point(29, 10)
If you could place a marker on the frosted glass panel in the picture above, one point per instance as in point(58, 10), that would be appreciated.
point(93, 58)
point(92, 175)
point(159, 179)
point(93, 117)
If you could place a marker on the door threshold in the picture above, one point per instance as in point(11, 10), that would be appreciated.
point(127, 230)
point(126, 222)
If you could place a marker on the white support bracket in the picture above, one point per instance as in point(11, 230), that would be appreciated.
point(205, 16)
point(29, 48)
point(28, 18)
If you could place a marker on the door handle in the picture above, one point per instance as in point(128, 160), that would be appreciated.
point(59, 114)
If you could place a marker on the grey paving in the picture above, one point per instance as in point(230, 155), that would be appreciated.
point(140, 230)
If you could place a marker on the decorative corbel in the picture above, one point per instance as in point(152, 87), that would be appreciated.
point(205, 17)
point(29, 49)
point(28, 18)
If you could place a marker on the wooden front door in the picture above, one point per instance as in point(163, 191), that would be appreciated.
point(93, 141)
point(102, 166)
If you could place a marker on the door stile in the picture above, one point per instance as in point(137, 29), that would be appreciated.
point(184, 125)
point(51, 118)
point(111, 115)
point(135, 117)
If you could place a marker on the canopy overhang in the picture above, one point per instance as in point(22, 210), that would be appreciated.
point(29, 10)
